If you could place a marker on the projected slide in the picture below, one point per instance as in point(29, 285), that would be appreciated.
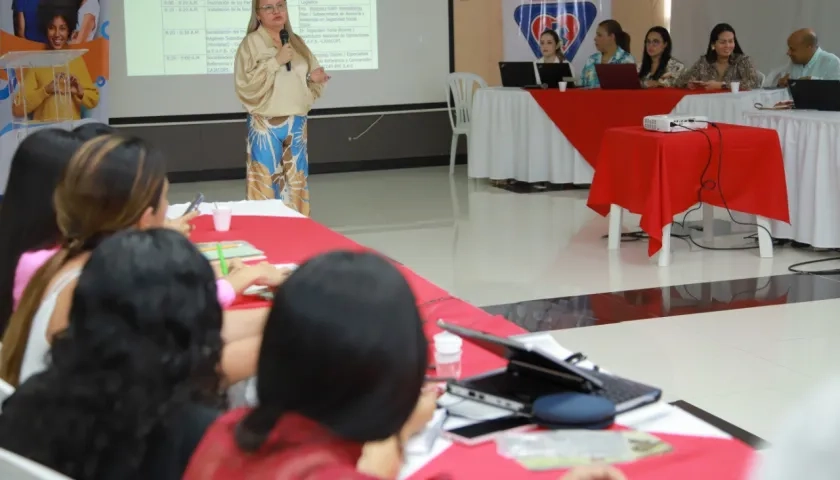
point(196, 37)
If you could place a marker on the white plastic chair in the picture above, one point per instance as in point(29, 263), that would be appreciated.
point(461, 88)
point(13, 466)
point(772, 78)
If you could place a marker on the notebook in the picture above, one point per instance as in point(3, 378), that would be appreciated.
point(232, 249)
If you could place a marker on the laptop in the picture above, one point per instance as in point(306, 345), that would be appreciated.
point(532, 373)
point(518, 74)
point(618, 76)
point(551, 74)
point(815, 94)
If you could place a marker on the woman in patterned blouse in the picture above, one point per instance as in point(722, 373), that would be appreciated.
point(658, 68)
point(723, 64)
point(613, 45)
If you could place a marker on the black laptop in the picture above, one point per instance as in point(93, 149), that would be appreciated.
point(518, 74)
point(551, 74)
point(531, 373)
point(618, 76)
point(815, 94)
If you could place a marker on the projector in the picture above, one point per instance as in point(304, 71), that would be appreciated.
point(675, 123)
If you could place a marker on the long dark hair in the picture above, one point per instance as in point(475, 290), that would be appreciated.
point(344, 347)
point(711, 54)
point(143, 342)
point(107, 187)
point(647, 62)
point(554, 35)
point(91, 130)
point(27, 214)
point(622, 38)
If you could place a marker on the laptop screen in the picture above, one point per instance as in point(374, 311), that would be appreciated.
point(515, 351)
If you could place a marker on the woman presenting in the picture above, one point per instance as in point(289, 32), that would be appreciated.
point(277, 81)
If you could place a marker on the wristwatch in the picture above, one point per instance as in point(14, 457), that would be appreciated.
point(724, 85)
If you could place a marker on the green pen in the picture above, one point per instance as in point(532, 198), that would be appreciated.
point(222, 262)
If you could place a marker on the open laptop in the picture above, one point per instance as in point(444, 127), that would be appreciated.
point(518, 74)
point(618, 76)
point(551, 74)
point(815, 94)
point(532, 373)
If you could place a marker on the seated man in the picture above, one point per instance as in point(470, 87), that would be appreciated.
point(807, 60)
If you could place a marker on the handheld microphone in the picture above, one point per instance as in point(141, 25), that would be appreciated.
point(284, 39)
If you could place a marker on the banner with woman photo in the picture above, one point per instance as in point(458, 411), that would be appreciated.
point(575, 21)
point(55, 93)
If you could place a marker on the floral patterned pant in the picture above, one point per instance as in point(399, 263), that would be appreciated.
point(278, 164)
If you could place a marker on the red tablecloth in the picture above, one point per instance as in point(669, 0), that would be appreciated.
point(657, 175)
point(294, 240)
point(692, 458)
point(585, 115)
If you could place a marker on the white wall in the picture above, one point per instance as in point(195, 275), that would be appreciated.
point(762, 26)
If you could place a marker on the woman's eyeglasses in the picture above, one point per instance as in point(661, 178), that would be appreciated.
point(276, 8)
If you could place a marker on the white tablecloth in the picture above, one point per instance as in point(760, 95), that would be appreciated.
point(512, 137)
point(261, 208)
point(811, 148)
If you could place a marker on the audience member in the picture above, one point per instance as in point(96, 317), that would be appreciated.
point(111, 184)
point(659, 68)
point(340, 380)
point(808, 60)
point(131, 385)
point(723, 63)
point(613, 45)
point(27, 215)
point(89, 130)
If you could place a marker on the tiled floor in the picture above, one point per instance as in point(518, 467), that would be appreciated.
point(734, 334)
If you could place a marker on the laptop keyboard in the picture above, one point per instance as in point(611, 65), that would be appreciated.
point(616, 389)
point(619, 390)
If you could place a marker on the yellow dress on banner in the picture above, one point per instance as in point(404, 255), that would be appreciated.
point(33, 100)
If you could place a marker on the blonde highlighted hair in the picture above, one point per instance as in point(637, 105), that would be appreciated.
point(109, 184)
point(297, 43)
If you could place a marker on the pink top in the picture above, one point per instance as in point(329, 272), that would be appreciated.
point(30, 262)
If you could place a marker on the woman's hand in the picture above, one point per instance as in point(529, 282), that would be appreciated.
point(50, 87)
point(285, 54)
point(267, 275)
point(594, 473)
point(652, 84)
point(423, 412)
point(241, 275)
point(319, 76)
point(382, 459)
point(76, 87)
point(182, 224)
point(714, 85)
point(694, 84)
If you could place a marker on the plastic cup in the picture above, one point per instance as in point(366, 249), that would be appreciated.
point(448, 355)
point(221, 219)
point(448, 365)
point(563, 86)
point(447, 343)
point(735, 86)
